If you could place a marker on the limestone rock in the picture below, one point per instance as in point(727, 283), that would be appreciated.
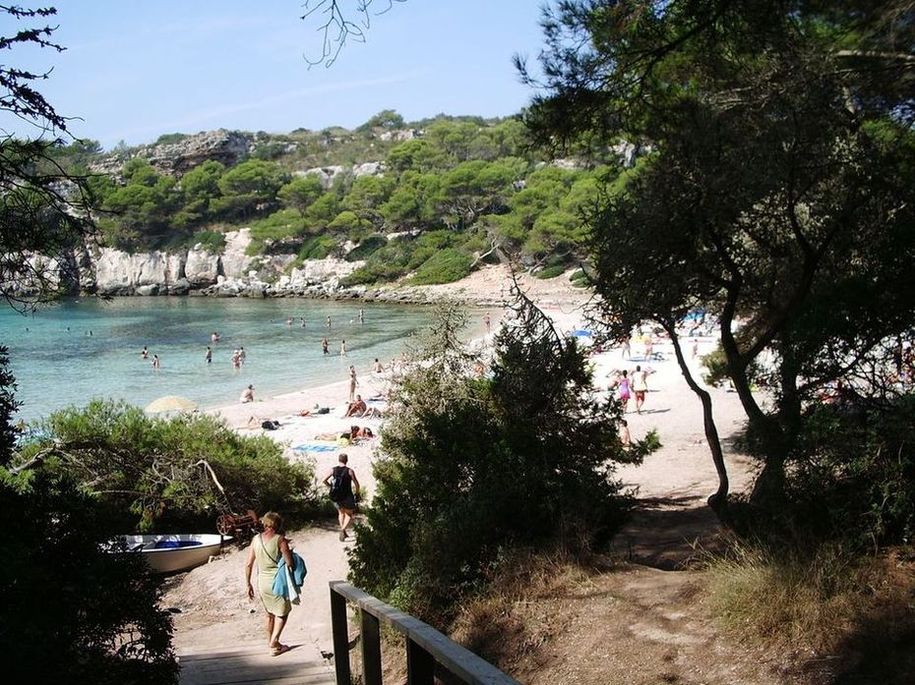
point(368, 169)
point(234, 263)
point(201, 267)
point(119, 273)
point(325, 174)
point(176, 158)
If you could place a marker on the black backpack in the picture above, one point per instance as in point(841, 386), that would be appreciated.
point(340, 484)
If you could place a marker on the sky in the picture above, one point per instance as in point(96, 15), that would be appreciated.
point(134, 70)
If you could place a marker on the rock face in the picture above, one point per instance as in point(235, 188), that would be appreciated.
point(198, 271)
point(176, 158)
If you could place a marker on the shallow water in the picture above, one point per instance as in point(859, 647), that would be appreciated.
point(74, 350)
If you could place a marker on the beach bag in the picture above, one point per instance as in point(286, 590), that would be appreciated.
point(340, 487)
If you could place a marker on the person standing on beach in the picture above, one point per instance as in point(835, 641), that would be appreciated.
point(344, 487)
point(639, 387)
point(361, 315)
point(242, 355)
point(156, 364)
point(624, 390)
point(325, 345)
point(488, 322)
point(342, 348)
point(209, 355)
point(352, 382)
point(266, 550)
point(626, 351)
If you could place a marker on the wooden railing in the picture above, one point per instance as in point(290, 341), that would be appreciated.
point(427, 649)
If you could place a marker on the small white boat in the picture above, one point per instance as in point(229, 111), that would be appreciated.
point(170, 553)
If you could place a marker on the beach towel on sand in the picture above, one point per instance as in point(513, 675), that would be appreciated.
point(314, 447)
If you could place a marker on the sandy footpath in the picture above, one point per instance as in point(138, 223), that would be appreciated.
point(213, 611)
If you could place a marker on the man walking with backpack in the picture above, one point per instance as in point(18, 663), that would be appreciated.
point(344, 486)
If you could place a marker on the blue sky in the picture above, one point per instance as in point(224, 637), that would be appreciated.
point(134, 70)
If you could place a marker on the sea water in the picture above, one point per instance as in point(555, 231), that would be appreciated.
point(74, 350)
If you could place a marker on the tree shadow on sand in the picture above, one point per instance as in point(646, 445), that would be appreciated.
point(669, 533)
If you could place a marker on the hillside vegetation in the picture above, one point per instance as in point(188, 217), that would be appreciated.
point(429, 199)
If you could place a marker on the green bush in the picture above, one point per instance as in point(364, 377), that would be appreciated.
point(150, 471)
point(211, 241)
point(550, 271)
point(444, 266)
point(471, 465)
point(71, 612)
point(101, 623)
point(319, 247)
point(366, 248)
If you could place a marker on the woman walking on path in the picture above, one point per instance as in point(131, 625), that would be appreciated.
point(266, 550)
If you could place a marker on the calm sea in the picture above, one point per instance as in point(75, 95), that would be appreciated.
point(75, 350)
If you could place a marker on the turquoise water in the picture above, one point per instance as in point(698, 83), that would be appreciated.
point(58, 363)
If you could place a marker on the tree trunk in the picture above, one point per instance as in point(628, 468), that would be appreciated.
point(719, 499)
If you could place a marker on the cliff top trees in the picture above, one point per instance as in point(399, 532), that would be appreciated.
point(780, 190)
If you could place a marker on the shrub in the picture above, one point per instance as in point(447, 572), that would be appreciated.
point(211, 241)
point(820, 599)
point(366, 248)
point(319, 247)
point(71, 612)
point(472, 465)
point(444, 266)
point(550, 271)
point(150, 473)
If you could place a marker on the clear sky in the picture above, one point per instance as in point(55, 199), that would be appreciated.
point(134, 69)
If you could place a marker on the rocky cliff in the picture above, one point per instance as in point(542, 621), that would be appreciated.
point(197, 271)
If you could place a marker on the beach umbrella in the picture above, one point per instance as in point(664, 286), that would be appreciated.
point(170, 403)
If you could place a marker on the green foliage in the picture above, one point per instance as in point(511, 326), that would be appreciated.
point(300, 192)
point(853, 473)
point(807, 266)
point(465, 174)
point(318, 247)
point(169, 138)
point(471, 465)
point(211, 241)
point(248, 188)
point(444, 266)
point(366, 247)
point(550, 271)
point(149, 471)
point(385, 119)
point(102, 622)
point(71, 612)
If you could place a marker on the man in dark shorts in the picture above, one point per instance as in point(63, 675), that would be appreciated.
point(344, 488)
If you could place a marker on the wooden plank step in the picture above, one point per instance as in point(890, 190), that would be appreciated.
point(249, 666)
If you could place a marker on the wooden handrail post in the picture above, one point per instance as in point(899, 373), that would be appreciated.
point(420, 665)
point(341, 638)
point(428, 651)
point(371, 648)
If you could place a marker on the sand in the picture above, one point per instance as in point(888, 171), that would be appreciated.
point(215, 614)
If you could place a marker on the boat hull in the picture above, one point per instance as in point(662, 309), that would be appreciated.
point(171, 553)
